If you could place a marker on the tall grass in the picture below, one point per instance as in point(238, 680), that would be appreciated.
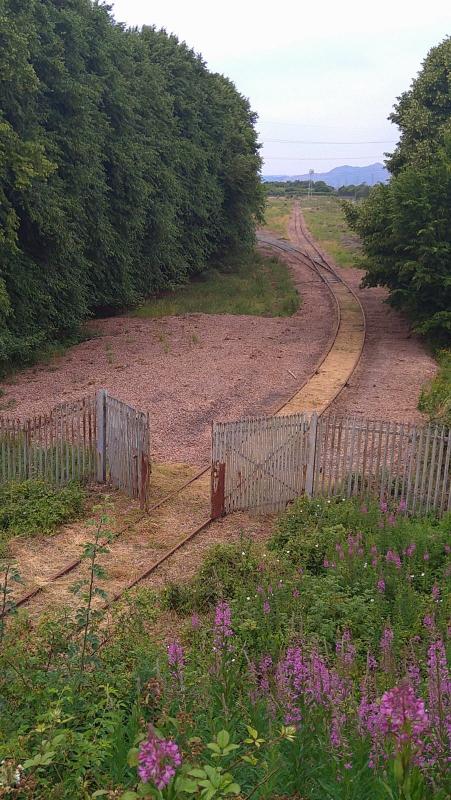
point(277, 214)
point(257, 286)
point(435, 399)
point(326, 222)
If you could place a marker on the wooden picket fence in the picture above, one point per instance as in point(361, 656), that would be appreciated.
point(264, 463)
point(96, 437)
point(58, 447)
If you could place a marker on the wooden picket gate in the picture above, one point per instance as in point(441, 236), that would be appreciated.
point(259, 463)
point(96, 437)
point(262, 464)
point(123, 446)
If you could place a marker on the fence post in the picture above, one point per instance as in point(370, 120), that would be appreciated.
point(101, 412)
point(311, 456)
point(217, 489)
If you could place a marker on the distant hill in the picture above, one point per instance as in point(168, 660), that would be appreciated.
point(341, 176)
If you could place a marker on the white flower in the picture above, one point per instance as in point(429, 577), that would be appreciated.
point(248, 598)
point(422, 574)
point(412, 576)
point(372, 600)
point(365, 565)
point(243, 553)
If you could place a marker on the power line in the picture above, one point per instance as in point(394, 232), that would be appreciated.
point(316, 158)
point(299, 141)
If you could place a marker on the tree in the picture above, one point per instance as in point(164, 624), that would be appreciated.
point(125, 167)
point(405, 225)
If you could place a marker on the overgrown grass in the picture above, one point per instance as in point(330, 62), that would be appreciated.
point(335, 625)
point(435, 399)
point(31, 507)
point(326, 222)
point(257, 286)
point(277, 214)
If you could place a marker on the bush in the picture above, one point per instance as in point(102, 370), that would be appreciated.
point(33, 507)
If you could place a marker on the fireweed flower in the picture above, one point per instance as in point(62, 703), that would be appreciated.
point(261, 676)
point(439, 695)
point(383, 506)
point(402, 717)
point(386, 649)
point(223, 624)
point(429, 622)
point(402, 506)
point(266, 607)
point(409, 551)
point(195, 622)
point(393, 557)
point(345, 648)
point(158, 760)
point(391, 519)
point(381, 585)
point(176, 659)
point(426, 556)
point(436, 592)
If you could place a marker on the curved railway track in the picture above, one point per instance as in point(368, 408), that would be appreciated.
point(317, 393)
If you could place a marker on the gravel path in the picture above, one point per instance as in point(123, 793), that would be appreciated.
point(394, 364)
point(187, 371)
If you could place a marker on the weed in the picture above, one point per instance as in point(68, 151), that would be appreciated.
point(109, 353)
point(326, 222)
point(31, 507)
point(87, 589)
point(435, 399)
point(257, 286)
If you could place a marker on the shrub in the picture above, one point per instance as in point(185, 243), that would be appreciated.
point(32, 507)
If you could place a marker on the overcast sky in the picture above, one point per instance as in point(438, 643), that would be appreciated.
point(320, 74)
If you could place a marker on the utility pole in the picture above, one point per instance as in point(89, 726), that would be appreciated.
point(310, 173)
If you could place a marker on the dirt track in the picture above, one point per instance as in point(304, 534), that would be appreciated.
point(190, 370)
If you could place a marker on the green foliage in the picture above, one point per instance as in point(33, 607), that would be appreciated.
point(435, 399)
point(296, 188)
point(126, 168)
point(326, 221)
point(256, 285)
point(405, 225)
point(76, 733)
point(224, 571)
point(33, 507)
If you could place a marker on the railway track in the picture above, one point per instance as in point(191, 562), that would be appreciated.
point(317, 393)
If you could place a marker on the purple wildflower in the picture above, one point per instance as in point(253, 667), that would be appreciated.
point(383, 506)
point(176, 659)
point(223, 624)
point(426, 556)
point(195, 622)
point(266, 607)
point(391, 519)
point(410, 550)
point(402, 506)
point(295, 593)
point(393, 557)
point(402, 716)
point(439, 690)
point(345, 648)
point(436, 592)
point(381, 585)
point(386, 649)
point(158, 760)
point(429, 622)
